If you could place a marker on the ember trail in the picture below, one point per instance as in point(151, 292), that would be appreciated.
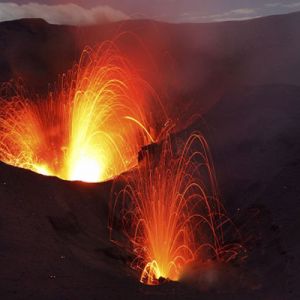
point(171, 214)
point(90, 128)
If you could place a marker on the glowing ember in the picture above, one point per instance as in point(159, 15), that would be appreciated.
point(90, 129)
point(171, 214)
point(86, 169)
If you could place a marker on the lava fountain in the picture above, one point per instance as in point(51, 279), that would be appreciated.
point(170, 213)
point(90, 128)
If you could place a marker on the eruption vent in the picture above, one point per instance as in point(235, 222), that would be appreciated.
point(170, 213)
point(90, 128)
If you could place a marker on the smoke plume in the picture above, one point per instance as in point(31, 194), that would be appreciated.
point(68, 14)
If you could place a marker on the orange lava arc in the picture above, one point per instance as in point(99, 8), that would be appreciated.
point(90, 128)
point(170, 213)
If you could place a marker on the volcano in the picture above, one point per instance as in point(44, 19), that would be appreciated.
point(236, 82)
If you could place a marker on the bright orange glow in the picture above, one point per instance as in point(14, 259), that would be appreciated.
point(171, 214)
point(41, 170)
point(90, 129)
point(86, 169)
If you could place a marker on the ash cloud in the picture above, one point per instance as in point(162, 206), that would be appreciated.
point(67, 14)
point(233, 15)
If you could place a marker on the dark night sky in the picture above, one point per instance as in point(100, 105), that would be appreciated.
point(164, 10)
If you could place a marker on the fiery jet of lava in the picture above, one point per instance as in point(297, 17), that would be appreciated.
point(171, 214)
point(91, 128)
point(22, 141)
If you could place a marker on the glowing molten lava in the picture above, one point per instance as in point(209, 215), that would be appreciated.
point(171, 214)
point(90, 128)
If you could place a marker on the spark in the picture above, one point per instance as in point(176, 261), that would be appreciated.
point(171, 214)
point(81, 130)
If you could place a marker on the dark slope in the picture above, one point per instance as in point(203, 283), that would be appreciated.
point(194, 64)
point(54, 244)
point(34, 51)
point(254, 135)
point(54, 241)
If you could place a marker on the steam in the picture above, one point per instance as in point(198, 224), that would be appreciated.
point(68, 14)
